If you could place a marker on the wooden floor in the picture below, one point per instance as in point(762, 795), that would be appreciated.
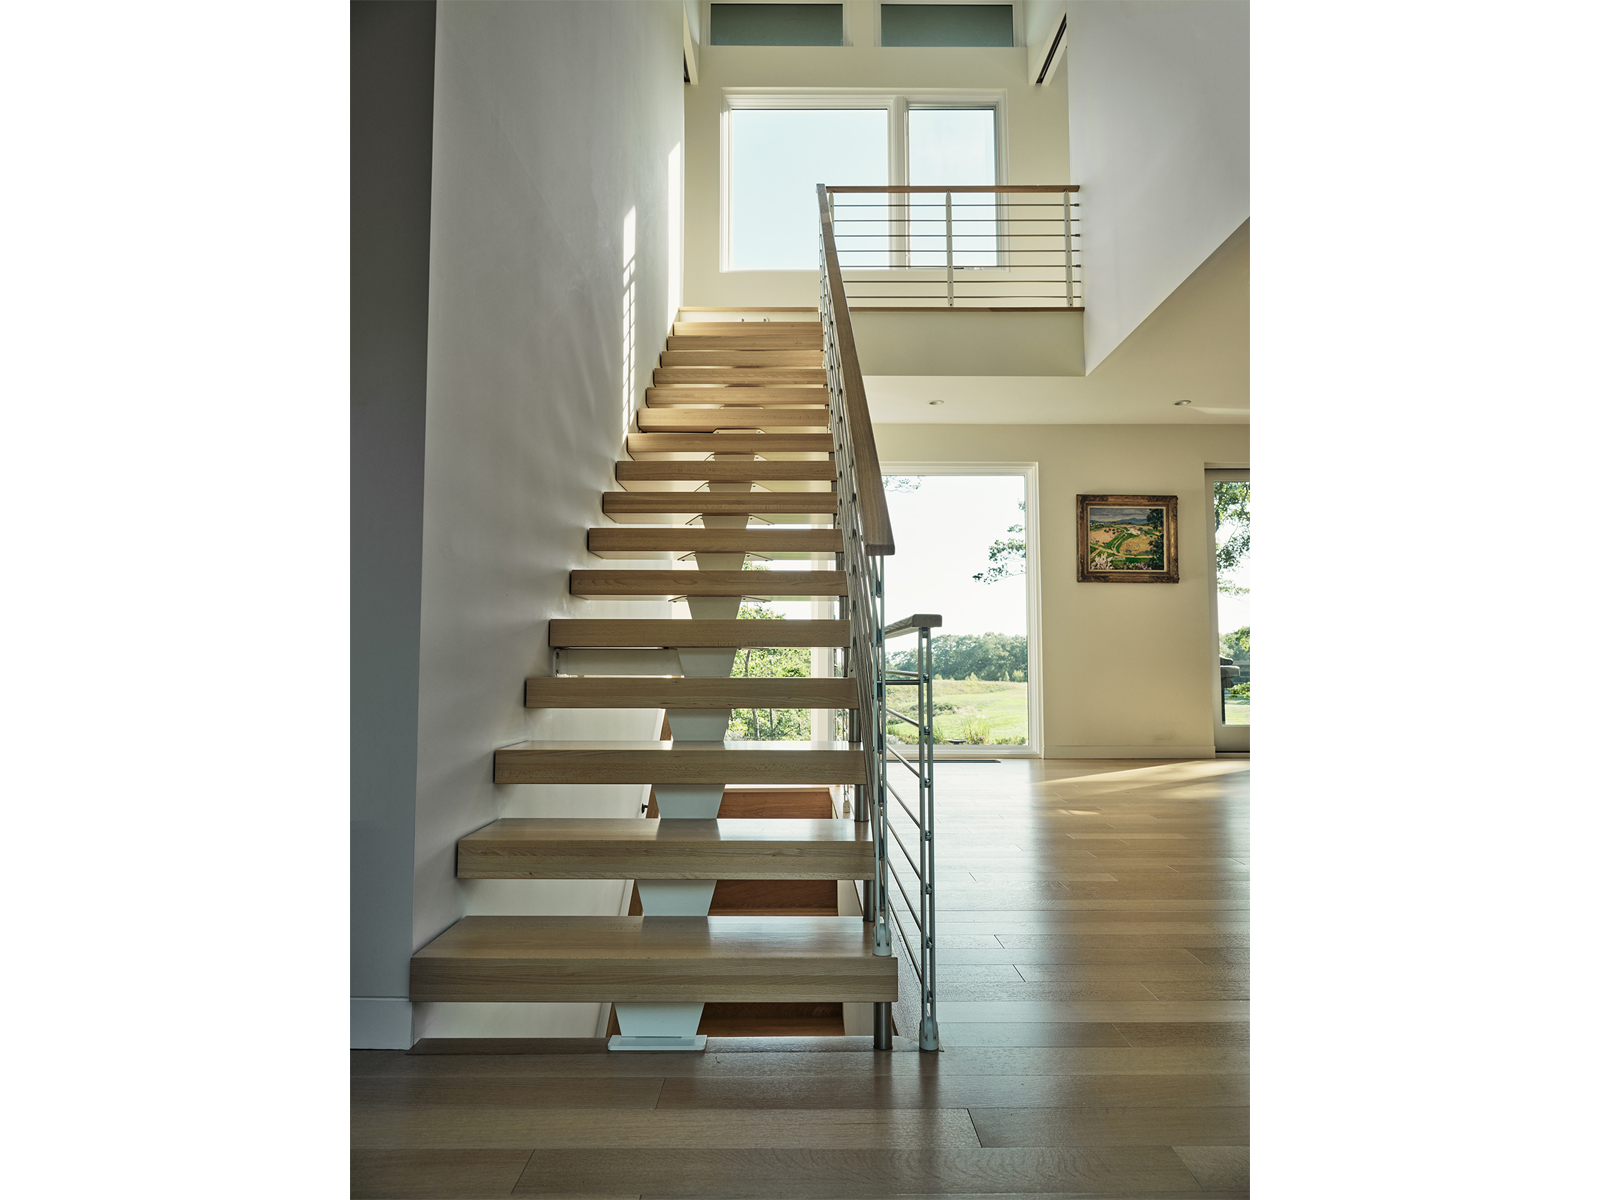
point(1093, 985)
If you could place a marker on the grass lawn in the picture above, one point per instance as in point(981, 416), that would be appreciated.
point(980, 711)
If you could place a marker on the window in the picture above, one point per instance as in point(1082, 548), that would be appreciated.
point(778, 25)
point(778, 158)
point(952, 146)
point(777, 147)
point(946, 24)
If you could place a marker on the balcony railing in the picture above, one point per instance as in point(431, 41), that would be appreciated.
point(1010, 246)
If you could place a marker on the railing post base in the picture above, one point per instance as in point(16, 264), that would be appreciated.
point(882, 1029)
point(929, 1039)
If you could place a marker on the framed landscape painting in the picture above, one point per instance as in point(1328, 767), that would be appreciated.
point(1127, 539)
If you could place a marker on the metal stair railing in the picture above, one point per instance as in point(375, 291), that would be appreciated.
point(863, 516)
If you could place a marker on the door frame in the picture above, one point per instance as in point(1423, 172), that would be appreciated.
point(1234, 739)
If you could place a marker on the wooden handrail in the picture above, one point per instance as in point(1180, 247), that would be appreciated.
point(898, 188)
point(871, 502)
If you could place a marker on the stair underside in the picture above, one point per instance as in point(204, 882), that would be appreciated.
point(571, 633)
point(729, 443)
point(626, 541)
point(644, 959)
point(680, 762)
point(592, 848)
point(599, 691)
point(652, 585)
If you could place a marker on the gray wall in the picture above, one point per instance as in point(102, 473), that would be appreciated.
point(391, 144)
point(553, 122)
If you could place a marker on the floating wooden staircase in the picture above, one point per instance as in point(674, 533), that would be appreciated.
point(735, 923)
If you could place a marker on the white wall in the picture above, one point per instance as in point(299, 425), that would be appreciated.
point(1036, 119)
point(1159, 113)
point(1126, 667)
point(553, 121)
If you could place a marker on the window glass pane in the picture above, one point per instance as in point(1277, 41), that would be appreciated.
point(946, 24)
point(1232, 502)
point(952, 146)
point(778, 25)
point(961, 551)
point(779, 156)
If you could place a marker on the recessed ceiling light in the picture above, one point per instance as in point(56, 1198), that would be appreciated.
point(1181, 403)
point(931, 403)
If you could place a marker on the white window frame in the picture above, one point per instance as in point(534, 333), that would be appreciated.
point(1034, 746)
point(896, 102)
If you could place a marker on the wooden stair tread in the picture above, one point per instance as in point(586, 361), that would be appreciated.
point(722, 356)
point(811, 328)
point(643, 959)
point(770, 584)
point(596, 848)
point(624, 541)
point(729, 443)
point(760, 471)
point(741, 376)
point(774, 397)
point(679, 420)
point(680, 762)
point(807, 340)
point(621, 691)
point(718, 502)
point(572, 632)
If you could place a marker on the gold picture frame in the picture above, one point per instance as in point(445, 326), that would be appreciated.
point(1127, 539)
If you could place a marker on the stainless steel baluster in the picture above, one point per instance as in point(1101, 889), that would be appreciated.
point(949, 254)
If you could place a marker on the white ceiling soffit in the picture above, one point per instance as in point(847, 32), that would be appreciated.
point(1194, 347)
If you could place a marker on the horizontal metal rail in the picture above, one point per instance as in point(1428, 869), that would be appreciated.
point(1019, 248)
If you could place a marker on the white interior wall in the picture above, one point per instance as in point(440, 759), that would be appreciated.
point(1126, 667)
point(553, 122)
point(1036, 120)
point(1159, 114)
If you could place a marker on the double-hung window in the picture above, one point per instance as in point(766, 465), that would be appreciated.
point(776, 148)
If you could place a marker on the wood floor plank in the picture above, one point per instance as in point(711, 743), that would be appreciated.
point(1116, 1011)
point(956, 1091)
point(1186, 1033)
point(1057, 990)
point(1112, 1126)
point(491, 1126)
point(874, 1173)
point(956, 1034)
point(1148, 975)
point(1217, 1166)
point(415, 1174)
point(394, 1094)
